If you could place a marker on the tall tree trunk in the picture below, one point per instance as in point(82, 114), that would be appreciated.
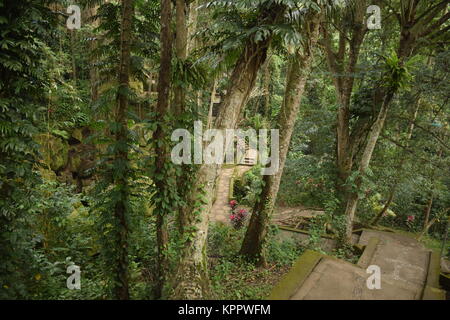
point(161, 147)
point(412, 29)
point(388, 202)
point(191, 279)
point(430, 201)
point(179, 104)
point(192, 28)
point(398, 169)
point(372, 139)
point(121, 156)
point(72, 56)
point(211, 104)
point(181, 52)
point(266, 87)
point(298, 73)
point(93, 70)
point(428, 225)
point(427, 213)
point(343, 78)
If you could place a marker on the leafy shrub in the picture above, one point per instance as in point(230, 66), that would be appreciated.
point(234, 278)
point(281, 252)
point(247, 189)
point(306, 181)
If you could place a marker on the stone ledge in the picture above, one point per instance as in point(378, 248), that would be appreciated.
point(431, 290)
point(230, 189)
point(368, 253)
point(431, 293)
point(434, 269)
point(303, 231)
point(296, 276)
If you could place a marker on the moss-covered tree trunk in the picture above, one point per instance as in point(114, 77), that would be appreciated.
point(162, 179)
point(266, 110)
point(93, 70)
point(352, 199)
point(298, 73)
point(211, 104)
point(121, 206)
point(427, 213)
point(191, 279)
point(72, 36)
point(193, 23)
point(179, 100)
point(342, 63)
point(398, 169)
point(181, 52)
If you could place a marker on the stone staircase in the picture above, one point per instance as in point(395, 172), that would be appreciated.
point(409, 271)
point(251, 156)
point(221, 210)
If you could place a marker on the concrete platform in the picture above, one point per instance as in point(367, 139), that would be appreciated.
point(337, 280)
point(408, 272)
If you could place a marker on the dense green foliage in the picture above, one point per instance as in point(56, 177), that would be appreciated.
point(69, 160)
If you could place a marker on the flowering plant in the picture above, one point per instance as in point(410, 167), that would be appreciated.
point(233, 204)
point(238, 217)
point(409, 221)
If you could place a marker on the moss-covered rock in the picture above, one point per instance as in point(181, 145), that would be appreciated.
point(74, 214)
point(47, 174)
point(55, 151)
point(76, 161)
point(65, 177)
point(77, 134)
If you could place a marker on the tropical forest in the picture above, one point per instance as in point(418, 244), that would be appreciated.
point(224, 150)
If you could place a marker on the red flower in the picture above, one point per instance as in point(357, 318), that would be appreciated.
point(410, 218)
point(232, 217)
point(233, 203)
